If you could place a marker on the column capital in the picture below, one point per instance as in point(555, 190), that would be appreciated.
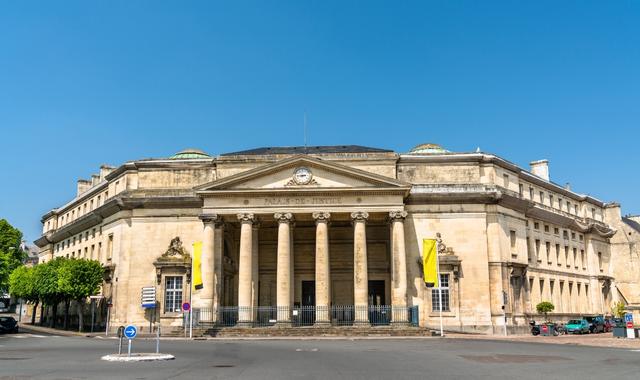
point(398, 216)
point(210, 218)
point(283, 217)
point(359, 216)
point(321, 217)
point(247, 218)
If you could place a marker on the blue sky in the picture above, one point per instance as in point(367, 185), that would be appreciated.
point(91, 82)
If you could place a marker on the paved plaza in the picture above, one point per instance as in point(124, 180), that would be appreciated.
point(43, 356)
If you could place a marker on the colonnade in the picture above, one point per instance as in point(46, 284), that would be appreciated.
point(248, 264)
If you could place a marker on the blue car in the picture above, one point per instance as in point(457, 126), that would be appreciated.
point(577, 326)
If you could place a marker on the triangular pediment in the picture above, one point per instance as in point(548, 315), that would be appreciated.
point(312, 173)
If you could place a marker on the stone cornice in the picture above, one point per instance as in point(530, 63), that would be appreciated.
point(304, 192)
point(114, 205)
point(493, 159)
point(454, 193)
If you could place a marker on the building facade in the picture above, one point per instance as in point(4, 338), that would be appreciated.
point(338, 228)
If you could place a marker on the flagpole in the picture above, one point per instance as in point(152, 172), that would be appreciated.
point(439, 283)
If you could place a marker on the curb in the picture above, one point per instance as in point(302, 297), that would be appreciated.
point(140, 357)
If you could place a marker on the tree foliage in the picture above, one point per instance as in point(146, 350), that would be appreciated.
point(618, 309)
point(11, 254)
point(56, 281)
point(545, 308)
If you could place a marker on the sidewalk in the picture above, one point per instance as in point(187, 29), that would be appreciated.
point(47, 330)
point(593, 340)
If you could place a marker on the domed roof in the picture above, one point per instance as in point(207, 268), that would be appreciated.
point(189, 154)
point(428, 148)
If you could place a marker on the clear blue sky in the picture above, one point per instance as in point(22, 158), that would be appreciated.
point(91, 82)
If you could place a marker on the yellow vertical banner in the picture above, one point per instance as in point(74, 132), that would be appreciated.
point(197, 268)
point(430, 262)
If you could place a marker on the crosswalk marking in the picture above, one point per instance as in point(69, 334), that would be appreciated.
point(28, 335)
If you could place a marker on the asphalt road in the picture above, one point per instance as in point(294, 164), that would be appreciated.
point(40, 356)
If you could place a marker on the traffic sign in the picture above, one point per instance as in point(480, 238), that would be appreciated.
point(628, 317)
point(130, 332)
point(148, 297)
point(186, 306)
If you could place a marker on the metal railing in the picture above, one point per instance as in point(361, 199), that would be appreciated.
point(301, 316)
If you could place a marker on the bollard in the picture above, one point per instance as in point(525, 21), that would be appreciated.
point(120, 336)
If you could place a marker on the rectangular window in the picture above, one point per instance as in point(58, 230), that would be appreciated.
point(566, 256)
point(538, 251)
point(173, 294)
point(584, 264)
point(435, 294)
point(573, 236)
point(93, 251)
point(600, 261)
point(512, 238)
point(505, 181)
point(548, 249)
point(86, 251)
point(531, 193)
point(556, 231)
point(546, 228)
point(110, 247)
point(593, 213)
point(529, 256)
point(575, 258)
point(536, 225)
point(550, 200)
point(521, 190)
point(558, 254)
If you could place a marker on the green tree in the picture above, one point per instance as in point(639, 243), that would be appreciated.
point(22, 285)
point(11, 255)
point(545, 308)
point(617, 309)
point(79, 279)
point(46, 283)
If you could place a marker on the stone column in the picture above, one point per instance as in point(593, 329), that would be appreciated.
point(398, 267)
point(284, 272)
point(360, 271)
point(207, 262)
point(255, 272)
point(323, 279)
point(245, 270)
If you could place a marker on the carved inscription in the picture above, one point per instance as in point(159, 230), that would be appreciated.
point(298, 201)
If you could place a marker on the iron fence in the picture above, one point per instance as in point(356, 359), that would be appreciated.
point(300, 316)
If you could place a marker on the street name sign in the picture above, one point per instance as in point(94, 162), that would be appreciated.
point(149, 297)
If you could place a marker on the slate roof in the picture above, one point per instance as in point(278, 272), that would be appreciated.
point(632, 223)
point(308, 150)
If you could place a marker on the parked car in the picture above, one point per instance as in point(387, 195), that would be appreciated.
point(596, 323)
point(8, 325)
point(577, 326)
point(609, 324)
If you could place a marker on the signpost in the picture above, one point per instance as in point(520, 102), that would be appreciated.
point(628, 319)
point(186, 307)
point(130, 333)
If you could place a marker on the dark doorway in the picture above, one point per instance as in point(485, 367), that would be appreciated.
point(307, 312)
point(379, 311)
point(376, 293)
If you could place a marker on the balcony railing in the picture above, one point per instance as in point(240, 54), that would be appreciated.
point(337, 315)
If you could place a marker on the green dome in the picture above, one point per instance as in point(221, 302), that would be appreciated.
point(189, 154)
point(428, 148)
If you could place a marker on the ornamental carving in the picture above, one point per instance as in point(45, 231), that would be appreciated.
point(360, 216)
point(292, 182)
point(397, 215)
point(246, 218)
point(211, 218)
point(283, 217)
point(321, 217)
point(175, 249)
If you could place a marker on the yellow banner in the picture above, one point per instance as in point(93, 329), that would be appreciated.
point(197, 270)
point(430, 262)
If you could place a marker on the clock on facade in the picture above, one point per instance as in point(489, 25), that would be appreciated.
point(302, 176)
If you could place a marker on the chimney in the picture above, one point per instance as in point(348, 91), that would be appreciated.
point(540, 168)
point(612, 213)
point(83, 185)
point(95, 179)
point(104, 171)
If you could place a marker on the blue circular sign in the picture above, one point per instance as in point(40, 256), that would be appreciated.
point(130, 332)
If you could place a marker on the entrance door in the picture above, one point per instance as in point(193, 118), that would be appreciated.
point(379, 312)
point(307, 312)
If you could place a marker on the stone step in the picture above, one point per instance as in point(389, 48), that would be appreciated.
point(318, 331)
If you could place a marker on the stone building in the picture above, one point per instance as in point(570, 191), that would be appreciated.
point(625, 258)
point(335, 228)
